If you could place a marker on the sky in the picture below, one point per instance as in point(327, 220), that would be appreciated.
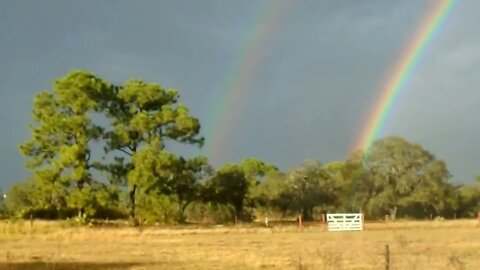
point(318, 70)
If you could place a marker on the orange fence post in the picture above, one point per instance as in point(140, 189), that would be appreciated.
point(300, 222)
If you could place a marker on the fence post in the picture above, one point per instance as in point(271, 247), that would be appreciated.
point(324, 220)
point(300, 222)
point(478, 218)
point(140, 224)
point(363, 220)
point(387, 257)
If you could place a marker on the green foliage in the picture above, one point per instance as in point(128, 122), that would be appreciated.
point(303, 189)
point(469, 200)
point(156, 208)
point(310, 186)
point(272, 194)
point(26, 196)
point(97, 201)
point(3, 206)
point(209, 213)
point(229, 187)
point(159, 172)
point(140, 177)
point(143, 117)
point(233, 184)
point(58, 154)
point(396, 177)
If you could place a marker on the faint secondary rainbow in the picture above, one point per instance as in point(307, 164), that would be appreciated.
point(235, 88)
point(405, 67)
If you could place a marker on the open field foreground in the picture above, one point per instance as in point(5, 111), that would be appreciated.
point(413, 245)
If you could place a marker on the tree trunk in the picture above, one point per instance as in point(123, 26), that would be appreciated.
point(181, 208)
point(307, 213)
point(132, 201)
point(81, 209)
point(393, 212)
point(238, 213)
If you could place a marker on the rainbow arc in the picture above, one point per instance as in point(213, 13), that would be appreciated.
point(402, 72)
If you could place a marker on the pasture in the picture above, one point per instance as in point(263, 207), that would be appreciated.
point(413, 245)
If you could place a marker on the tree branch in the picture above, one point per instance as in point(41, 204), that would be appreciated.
point(125, 151)
point(132, 148)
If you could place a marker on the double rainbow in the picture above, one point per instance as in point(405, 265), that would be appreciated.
point(241, 74)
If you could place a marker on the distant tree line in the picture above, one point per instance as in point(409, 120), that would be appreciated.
point(100, 150)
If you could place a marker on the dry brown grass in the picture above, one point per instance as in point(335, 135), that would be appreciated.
point(413, 245)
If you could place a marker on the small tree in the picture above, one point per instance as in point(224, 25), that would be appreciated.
point(229, 186)
point(235, 185)
point(3, 207)
point(273, 194)
point(309, 186)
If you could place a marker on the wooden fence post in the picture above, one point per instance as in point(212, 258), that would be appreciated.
point(300, 222)
point(387, 257)
point(140, 224)
point(324, 219)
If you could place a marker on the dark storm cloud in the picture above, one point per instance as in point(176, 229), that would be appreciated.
point(320, 73)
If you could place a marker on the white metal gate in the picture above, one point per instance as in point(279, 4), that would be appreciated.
point(345, 222)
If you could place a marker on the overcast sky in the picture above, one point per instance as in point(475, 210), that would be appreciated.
point(316, 78)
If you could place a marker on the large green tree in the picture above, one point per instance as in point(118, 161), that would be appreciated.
point(144, 117)
point(401, 176)
point(138, 120)
point(59, 154)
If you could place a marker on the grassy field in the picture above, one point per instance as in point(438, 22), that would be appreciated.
point(413, 245)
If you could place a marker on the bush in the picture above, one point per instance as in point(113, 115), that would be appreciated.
point(211, 213)
point(156, 208)
point(48, 213)
point(109, 213)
